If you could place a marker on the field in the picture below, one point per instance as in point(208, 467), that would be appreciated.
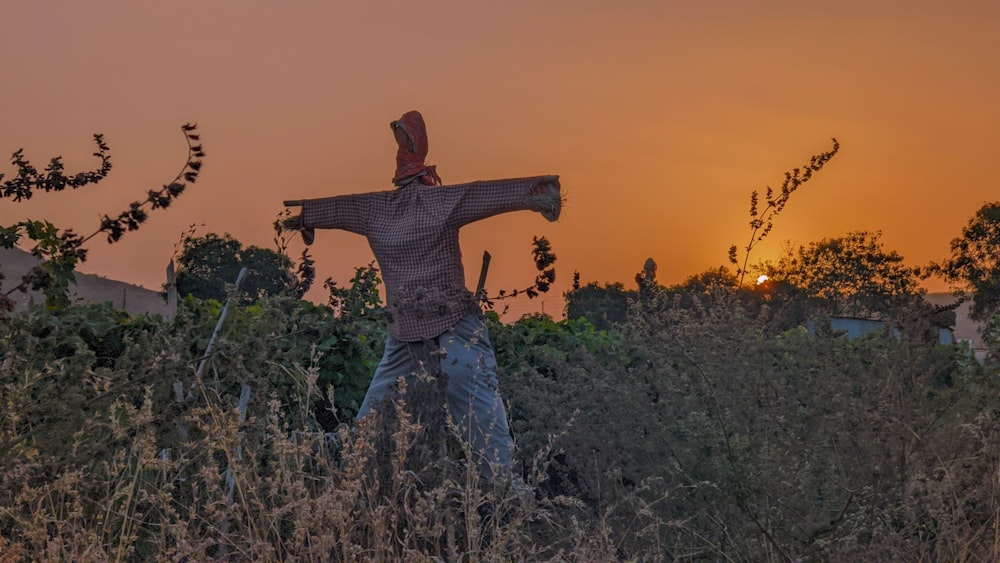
point(703, 427)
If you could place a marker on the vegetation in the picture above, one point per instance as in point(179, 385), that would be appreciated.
point(604, 306)
point(207, 263)
point(762, 220)
point(700, 421)
point(688, 432)
point(852, 275)
point(974, 265)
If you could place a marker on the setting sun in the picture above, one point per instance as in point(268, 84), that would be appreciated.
point(763, 278)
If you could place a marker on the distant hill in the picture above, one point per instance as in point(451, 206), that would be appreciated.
point(89, 288)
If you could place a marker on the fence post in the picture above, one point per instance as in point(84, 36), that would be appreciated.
point(230, 479)
point(171, 292)
point(218, 325)
point(244, 399)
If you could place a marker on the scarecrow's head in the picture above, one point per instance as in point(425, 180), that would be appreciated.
point(411, 136)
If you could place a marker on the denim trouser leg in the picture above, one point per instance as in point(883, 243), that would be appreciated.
point(474, 393)
point(396, 362)
point(473, 390)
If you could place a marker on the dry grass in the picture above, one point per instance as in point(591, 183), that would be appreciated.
point(247, 488)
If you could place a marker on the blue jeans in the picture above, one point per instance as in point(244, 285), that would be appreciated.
point(473, 392)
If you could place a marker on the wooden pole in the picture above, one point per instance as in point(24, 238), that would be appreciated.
point(218, 325)
point(171, 292)
point(244, 399)
point(482, 273)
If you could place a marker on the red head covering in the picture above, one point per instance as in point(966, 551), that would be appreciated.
point(411, 136)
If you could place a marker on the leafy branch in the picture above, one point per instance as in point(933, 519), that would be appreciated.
point(762, 220)
point(361, 299)
point(62, 250)
point(131, 218)
point(544, 258)
point(28, 178)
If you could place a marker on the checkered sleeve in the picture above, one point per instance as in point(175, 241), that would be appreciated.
point(479, 200)
point(347, 212)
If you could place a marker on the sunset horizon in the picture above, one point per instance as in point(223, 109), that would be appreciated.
point(659, 118)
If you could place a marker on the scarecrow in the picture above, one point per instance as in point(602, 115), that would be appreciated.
point(435, 322)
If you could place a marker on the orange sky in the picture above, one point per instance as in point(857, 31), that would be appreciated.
point(660, 117)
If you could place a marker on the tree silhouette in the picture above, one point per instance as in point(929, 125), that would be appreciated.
point(850, 275)
point(208, 263)
point(975, 261)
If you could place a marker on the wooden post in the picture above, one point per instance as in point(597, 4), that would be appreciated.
point(171, 292)
point(244, 400)
point(482, 274)
point(218, 325)
point(230, 478)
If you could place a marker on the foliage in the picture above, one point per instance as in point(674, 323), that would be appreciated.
point(61, 251)
point(607, 306)
point(748, 443)
point(208, 263)
point(305, 271)
point(770, 437)
point(361, 300)
point(693, 430)
point(974, 264)
point(603, 306)
point(707, 283)
point(852, 275)
point(28, 179)
point(762, 220)
point(114, 447)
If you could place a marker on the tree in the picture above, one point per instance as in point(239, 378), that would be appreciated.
point(707, 282)
point(604, 306)
point(975, 264)
point(208, 263)
point(850, 275)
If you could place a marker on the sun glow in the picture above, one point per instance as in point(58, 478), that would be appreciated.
point(763, 278)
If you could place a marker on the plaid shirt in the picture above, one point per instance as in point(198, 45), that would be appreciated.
point(413, 231)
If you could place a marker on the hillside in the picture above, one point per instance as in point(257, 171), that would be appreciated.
point(90, 288)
